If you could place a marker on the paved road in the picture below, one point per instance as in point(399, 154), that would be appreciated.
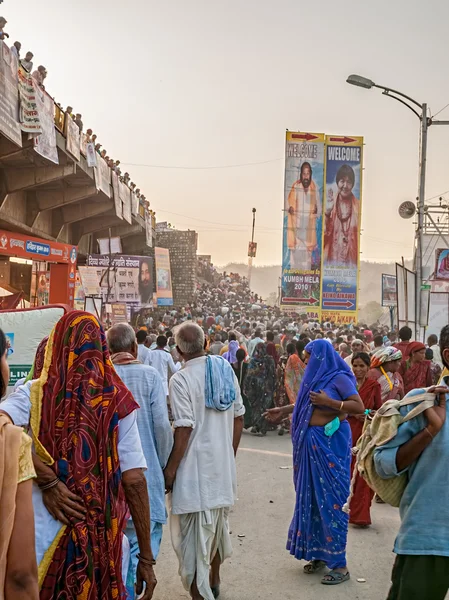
point(261, 568)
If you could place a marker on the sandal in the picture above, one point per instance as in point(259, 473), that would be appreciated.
point(335, 578)
point(216, 591)
point(314, 566)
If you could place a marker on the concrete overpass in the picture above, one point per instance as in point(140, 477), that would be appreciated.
point(59, 202)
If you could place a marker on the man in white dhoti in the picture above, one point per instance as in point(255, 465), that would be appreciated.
point(201, 473)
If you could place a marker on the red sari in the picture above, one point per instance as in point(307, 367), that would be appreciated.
point(418, 375)
point(363, 494)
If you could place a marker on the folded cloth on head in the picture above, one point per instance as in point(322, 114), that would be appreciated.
point(220, 390)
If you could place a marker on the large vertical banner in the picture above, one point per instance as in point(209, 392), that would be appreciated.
point(341, 228)
point(303, 202)
point(9, 99)
point(163, 277)
point(45, 143)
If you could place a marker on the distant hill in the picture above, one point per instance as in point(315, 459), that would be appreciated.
point(265, 280)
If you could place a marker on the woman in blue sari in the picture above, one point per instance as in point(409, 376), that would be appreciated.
point(321, 439)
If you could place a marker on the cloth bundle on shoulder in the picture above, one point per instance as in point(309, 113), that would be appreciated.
point(378, 432)
point(219, 387)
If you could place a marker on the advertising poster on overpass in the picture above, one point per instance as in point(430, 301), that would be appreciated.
point(163, 277)
point(341, 228)
point(124, 279)
point(9, 100)
point(302, 237)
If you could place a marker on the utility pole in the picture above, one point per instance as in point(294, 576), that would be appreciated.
point(425, 123)
point(250, 257)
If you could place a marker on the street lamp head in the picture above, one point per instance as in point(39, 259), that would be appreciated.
point(254, 210)
point(360, 81)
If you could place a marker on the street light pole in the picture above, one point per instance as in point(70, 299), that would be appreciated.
point(420, 224)
point(426, 121)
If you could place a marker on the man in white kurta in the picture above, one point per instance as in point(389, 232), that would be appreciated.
point(201, 471)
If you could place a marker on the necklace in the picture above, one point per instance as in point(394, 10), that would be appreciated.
point(345, 221)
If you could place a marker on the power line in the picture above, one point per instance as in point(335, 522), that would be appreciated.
point(440, 111)
point(184, 168)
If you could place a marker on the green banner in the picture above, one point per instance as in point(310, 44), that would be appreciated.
point(17, 372)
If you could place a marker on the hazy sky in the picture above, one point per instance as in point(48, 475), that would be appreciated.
point(203, 83)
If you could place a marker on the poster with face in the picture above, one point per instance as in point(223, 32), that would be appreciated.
point(341, 227)
point(145, 281)
point(302, 240)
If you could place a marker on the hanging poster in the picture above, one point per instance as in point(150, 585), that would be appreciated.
point(29, 116)
point(9, 99)
point(163, 277)
point(125, 197)
point(148, 229)
point(302, 238)
point(442, 263)
point(341, 236)
point(116, 193)
point(45, 143)
point(73, 138)
point(389, 290)
point(103, 176)
point(91, 155)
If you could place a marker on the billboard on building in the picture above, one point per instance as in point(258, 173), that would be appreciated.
point(163, 277)
point(303, 210)
point(341, 228)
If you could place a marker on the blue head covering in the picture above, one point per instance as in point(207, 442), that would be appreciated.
point(231, 354)
point(220, 390)
point(324, 364)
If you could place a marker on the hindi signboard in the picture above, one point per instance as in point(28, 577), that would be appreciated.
point(29, 116)
point(124, 278)
point(389, 290)
point(163, 277)
point(302, 238)
point(90, 281)
point(119, 313)
point(45, 143)
point(341, 228)
point(9, 99)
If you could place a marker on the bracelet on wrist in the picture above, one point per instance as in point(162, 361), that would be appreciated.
point(47, 486)
point(428, 431)
point(146, 561)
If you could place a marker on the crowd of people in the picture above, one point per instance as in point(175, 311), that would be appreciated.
point(118, 420)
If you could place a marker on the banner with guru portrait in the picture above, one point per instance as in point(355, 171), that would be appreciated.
point(302, 227)
point(341, 228)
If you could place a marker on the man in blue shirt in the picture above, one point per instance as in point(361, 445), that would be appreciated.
point(155, 432)
point(421, 448)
